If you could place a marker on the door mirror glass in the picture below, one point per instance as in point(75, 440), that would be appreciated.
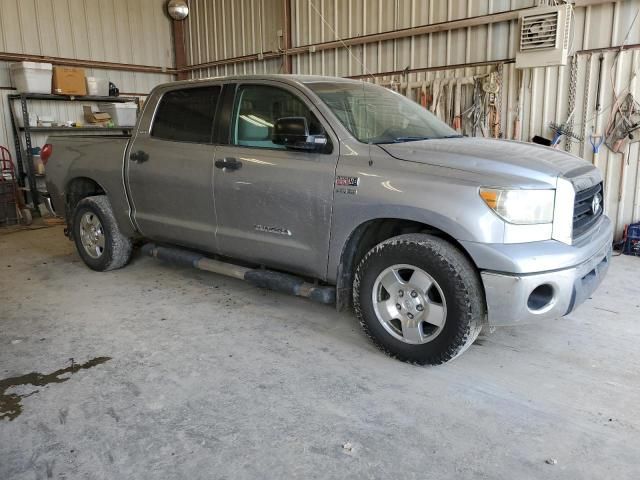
point(293, 133)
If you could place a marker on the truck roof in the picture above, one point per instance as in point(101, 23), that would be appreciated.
point(281, 77)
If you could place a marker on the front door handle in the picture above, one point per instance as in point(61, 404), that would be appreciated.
point(228, 163)
point(139, 157)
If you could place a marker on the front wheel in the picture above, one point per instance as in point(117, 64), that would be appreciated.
point(419, 299)
point(98, 239)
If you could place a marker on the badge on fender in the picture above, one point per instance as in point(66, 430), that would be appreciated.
point(347, 185)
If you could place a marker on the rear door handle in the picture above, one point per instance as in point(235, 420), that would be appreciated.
point(228, 163)
point(139, 157)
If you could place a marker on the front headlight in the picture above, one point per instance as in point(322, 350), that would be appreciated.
point(521, 207)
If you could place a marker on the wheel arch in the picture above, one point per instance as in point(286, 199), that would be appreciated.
point(369, 234)
point(75, 190)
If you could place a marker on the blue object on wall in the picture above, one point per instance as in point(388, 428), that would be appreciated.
point(632, 240)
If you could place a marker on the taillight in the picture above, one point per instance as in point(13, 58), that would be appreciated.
point(45, 152)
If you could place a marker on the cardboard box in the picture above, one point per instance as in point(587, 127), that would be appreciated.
point(69, 81)
point(95, 118)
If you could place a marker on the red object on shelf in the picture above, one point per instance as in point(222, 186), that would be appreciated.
point(46, 152)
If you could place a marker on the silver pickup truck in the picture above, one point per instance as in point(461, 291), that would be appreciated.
point(347, 193)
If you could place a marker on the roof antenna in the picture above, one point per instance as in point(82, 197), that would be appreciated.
point(364, 68)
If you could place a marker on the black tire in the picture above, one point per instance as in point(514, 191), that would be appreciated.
point(457, 279)
point(117, 248)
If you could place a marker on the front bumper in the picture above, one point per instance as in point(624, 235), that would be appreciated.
point(509, 296)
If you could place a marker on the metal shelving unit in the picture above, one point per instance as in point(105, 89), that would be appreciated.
point(26, 173)
point(74, 129)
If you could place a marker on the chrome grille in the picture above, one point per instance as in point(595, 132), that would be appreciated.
point(583, 214)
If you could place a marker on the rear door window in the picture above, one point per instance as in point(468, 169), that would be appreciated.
point(186, 115)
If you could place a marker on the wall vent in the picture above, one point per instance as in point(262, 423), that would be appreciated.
point(544, 36)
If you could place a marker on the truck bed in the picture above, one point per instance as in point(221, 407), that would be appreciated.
point(96, 157)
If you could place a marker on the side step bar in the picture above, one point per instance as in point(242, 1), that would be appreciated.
point(280, 282)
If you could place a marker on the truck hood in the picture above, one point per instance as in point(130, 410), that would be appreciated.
point(502, 158)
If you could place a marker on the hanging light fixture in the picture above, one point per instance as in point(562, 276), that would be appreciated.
point(178, 9)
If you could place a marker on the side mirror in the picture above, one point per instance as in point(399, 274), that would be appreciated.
point(293, 133)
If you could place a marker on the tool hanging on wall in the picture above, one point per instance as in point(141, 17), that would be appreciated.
point(456, 121)
point(517, 122)
point(624, 121)
point(483, 112)
point(435, 102)
point(475, 113)
point(600, 61)
point(424, 96)
point(491, 88)
point(586, 102)
point(595, 141)
point(450, 98)
point(447, 96)
point(565, 130)
point(499, 99)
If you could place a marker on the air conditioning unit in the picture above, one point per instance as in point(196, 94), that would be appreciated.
point(544, 36)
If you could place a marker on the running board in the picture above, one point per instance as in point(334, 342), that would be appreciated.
point(269, 279)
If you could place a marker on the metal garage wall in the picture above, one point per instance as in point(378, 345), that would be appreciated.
point(219, 29)
point(119, 31)
point(529, 99)
point(345, 19)
point(546, 97)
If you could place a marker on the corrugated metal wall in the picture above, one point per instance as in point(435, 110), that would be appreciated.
point(219, 29)
point(528, 101)
point(119, 31)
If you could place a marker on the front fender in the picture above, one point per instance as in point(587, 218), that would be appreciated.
point(441, 198)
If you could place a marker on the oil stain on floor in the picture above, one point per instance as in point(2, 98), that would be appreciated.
point(10, 403)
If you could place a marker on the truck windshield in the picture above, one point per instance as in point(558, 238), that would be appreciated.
point(375, 114)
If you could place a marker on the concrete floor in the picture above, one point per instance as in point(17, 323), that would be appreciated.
point(211, 378)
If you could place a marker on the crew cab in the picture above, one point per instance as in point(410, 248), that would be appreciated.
point(347, 193)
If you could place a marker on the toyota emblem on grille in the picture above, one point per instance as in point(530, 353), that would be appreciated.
point(596, 204)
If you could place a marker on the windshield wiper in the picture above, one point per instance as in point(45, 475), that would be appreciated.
point(401, 140)
point(410, 139)
point(415, 139)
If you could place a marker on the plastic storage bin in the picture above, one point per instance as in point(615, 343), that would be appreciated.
point(97, 87)
point(32, 77)
point(122, 114)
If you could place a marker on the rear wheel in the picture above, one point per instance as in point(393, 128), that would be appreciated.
point(419, 299)
point(98, 239)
